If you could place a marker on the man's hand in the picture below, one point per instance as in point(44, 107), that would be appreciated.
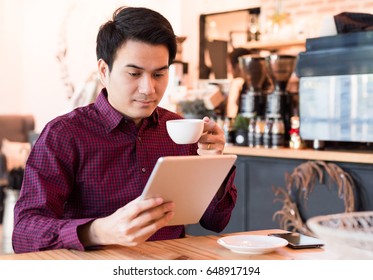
point(130, 225)
point(212, 140)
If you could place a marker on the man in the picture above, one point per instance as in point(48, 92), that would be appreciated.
point(88, 168)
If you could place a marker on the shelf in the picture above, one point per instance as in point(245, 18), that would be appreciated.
point(276, 44)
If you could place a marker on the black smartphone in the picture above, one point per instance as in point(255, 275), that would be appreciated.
point(300, 241)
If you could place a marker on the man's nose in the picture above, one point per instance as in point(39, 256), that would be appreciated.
point(146, 85)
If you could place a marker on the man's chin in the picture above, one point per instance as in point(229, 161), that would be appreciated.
point(143, 114)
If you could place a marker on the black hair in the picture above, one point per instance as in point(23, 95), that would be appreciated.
point(138, 24)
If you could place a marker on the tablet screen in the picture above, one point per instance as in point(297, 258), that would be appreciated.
point(190, 182)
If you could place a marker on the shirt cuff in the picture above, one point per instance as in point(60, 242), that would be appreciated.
point(227, 184)
point(69, 234)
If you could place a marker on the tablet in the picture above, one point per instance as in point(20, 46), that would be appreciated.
point(190, 182)
point(300, 241)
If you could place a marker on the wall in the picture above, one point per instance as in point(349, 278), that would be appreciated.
point(31, 32)
point(306, 16)
point(10, 49)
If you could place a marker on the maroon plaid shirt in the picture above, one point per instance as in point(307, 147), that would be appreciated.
point(87, 164)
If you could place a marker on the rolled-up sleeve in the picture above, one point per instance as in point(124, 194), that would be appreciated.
point(218, 214)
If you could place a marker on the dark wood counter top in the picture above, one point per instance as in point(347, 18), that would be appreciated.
point(365, 157)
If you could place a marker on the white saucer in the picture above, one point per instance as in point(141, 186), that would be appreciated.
point(252, 244)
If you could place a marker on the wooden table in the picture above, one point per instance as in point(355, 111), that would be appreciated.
point(189, 248)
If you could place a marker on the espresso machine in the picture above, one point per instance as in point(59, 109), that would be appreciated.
point(336, 89)
point(280, 104)
point(252, 101)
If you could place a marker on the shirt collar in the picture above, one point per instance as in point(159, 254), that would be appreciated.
point(112, 118)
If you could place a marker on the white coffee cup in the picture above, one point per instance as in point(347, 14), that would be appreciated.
point(185, 131)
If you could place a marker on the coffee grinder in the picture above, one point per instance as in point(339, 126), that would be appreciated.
point(254, 73)
point(279, 103)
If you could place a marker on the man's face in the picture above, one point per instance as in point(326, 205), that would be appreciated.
point(138, 79)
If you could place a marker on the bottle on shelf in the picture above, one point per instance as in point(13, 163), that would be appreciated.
point(278, 133)
point(251, 133)
point(259, 131)
point(228, 131)
point(267, 134)
point(220, 122)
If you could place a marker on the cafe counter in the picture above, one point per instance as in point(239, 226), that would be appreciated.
point(260, 170)
point(363, 157)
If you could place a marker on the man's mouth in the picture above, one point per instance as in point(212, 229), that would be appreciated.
point(143, 101)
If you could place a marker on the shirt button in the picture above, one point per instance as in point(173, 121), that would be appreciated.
point(139, 138)
point(143, 170)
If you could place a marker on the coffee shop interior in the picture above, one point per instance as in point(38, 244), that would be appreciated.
point(290, 83)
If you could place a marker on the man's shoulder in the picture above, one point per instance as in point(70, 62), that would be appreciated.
point(74, 118)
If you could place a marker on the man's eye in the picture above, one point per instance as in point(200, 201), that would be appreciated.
point(159, 74)
point(134, 74)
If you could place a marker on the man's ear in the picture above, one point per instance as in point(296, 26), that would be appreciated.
point(103, 70)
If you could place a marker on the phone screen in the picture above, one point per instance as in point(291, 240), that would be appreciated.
point(299, 241)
